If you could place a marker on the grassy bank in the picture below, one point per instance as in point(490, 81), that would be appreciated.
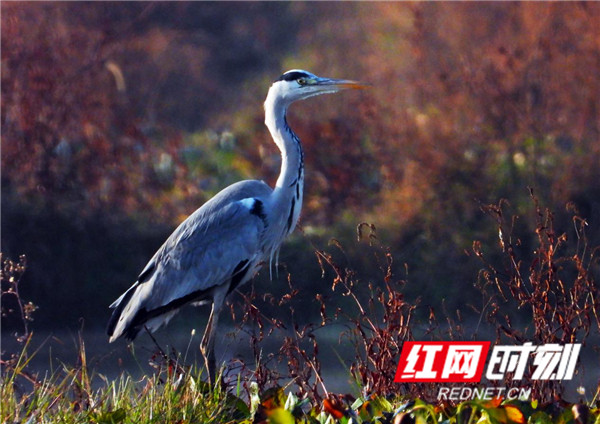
point(553, 286)
point(176, 394)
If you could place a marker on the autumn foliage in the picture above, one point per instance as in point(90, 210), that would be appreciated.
point(468, 100)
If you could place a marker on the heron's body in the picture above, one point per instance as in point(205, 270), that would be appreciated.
point(224, 243)
point(195, 263)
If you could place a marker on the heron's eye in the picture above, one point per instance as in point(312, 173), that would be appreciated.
point(301, 81)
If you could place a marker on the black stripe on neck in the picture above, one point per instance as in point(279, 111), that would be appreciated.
point(291, 217)
point(298, 146)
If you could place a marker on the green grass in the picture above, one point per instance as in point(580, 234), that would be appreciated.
point(75, 394)
point(177, 394)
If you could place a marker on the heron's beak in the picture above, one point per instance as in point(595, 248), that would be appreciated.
point(340, 84)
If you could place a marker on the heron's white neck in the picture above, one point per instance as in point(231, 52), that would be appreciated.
point(287, 195)
point(292, 156)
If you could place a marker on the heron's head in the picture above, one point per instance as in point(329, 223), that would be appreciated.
point(298, 85)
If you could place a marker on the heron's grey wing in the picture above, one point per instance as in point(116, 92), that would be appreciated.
point(206, 252)
point(207, 228)
point(220, 239)
point(205, 249)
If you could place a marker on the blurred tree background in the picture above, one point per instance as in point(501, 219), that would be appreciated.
point(121, 118)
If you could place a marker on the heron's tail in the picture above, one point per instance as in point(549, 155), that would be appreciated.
point(131, 315)
point(119, 323)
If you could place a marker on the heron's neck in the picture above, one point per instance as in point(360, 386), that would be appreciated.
point(292, 156)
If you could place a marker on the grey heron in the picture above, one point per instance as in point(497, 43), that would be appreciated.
point(224, 243)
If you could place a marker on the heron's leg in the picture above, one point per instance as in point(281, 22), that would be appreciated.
point(207, 345)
